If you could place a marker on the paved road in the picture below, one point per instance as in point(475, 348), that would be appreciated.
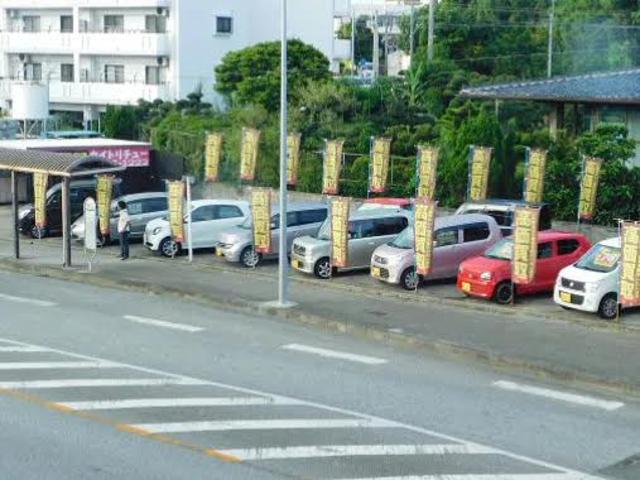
point(97, 383)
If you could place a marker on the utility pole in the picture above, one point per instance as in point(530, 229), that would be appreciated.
point(376, 46)
point(412, 33)
point(550, 47)
point(353, 41)
point(432, 24)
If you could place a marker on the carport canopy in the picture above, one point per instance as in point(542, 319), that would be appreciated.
point(65, 165)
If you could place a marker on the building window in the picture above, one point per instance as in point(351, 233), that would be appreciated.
point(66, 23)
point(31, 23)
point(33, 71)
point(114, 73)
point(152, 75)
point(224, 25)
point(66, 72)
point(155, 24)
point(114, 23)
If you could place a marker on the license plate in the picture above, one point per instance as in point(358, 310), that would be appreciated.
point(565, 297)
point(296, 264)
point(466, 287)
point(375, 271)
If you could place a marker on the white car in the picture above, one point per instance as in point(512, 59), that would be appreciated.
point(209, 218)
point(592, 283)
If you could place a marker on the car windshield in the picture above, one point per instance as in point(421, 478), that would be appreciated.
point(324, 232)
point(503, 250)
point(600, 258)
point(404, 240)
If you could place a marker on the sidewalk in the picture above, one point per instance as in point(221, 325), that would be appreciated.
point(588, 353)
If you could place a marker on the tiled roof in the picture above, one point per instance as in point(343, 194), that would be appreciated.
point(57, 164)
point(622, 87)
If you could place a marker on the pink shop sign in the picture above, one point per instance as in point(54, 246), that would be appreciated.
point(124, 156)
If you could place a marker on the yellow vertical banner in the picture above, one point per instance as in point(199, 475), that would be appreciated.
point(176, 210)
point(340, 231)
point(40, 182)
point(249, 153)
point(534, 179)
point(479, 165)
point(427, 172)
point(332, 167)
point(294, 141)
point(213, 156)
point(424, 222)
point(525, 245)
point(591, 168)
point(261, 213)
point(104, 195)
point(630, 264)
point(380, 158)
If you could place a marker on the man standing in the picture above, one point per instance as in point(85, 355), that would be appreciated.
point(124, 226)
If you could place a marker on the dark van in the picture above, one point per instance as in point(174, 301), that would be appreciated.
point(503, 212)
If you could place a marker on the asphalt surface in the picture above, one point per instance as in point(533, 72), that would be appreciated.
point(213, 394)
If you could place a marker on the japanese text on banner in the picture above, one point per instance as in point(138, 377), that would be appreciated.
point(261, 212)
point(424, 222)
point(212, 156)
point(332, 167)
point(630, 265)
point(480, 162)
point(176, 210)
point(427, 172)
point(104, 194)
point(380, 157)
point(249, 153)
point(294, 141)
point(589, 187)
point(340, 232)
point(40, 181)
point(534, 183)
point(525, 244)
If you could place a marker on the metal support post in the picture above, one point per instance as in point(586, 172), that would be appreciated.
point(430, 33)
point(14, 210)
point(66, 222)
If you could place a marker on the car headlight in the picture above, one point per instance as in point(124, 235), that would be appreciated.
point(156, 230)
point(486, 276)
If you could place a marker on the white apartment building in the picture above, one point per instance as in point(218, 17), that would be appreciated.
point(93, 53)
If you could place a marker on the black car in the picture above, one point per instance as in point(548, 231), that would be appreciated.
point(503, 212)
point(79, 191)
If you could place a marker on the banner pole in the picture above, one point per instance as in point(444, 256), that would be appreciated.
point(187, 179)
point(371, 153)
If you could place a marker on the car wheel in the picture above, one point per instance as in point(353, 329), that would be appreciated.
point(169, 248)
point(103, 240)
point(322, 268)
point(38, 232)
point(504, 293)
point(409, 280)
point(609, 307)
point(250, 258)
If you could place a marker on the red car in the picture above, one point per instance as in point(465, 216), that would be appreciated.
point(489, 276)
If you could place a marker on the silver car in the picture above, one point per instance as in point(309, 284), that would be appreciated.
point(236, 244)
point(456, 237)
point(368, 229)
point(142, 208)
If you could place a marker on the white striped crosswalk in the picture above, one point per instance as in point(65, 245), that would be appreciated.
point(241, 425)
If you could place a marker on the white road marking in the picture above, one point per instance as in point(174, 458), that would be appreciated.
point(54, 365)
point(31, 301)
point(561, 396)
point(22, 349)
point(323, 352)
point(320, 451)
point(163, 324)
point(228, 425)
point(176, 402)
point(567, 474)
point(99, 382)
point(489, 476)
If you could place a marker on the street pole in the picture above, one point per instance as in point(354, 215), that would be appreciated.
point(187, 179)
point(430, 34)
point(353, 41)
point(376, 46)
point(412, 33)
point(550, 46)
point(282, 244)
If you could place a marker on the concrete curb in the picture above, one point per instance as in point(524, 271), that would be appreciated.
point(580, 379)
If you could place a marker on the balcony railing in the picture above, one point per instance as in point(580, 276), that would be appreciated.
point(100, 93)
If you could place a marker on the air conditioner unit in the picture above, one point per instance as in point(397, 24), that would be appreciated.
point(163, 61)
point(162, 11)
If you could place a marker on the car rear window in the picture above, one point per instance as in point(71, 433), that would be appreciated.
point(566, 247)
point(389, 226)
point(545, 250)
point(158, 204)
point(228, 211)
point(306, 217)
point(446, 237)
point(475, 232)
